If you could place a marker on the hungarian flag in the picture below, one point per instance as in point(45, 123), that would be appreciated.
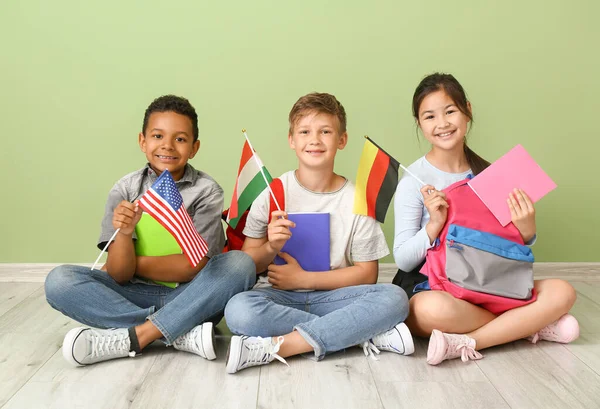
point(249, 184)
point(376, 182)
point(164, 202)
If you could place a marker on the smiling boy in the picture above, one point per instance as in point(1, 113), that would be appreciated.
point(337, 308)
point(121, 300)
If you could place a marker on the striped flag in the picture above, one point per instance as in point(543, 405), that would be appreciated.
point(164, 202)
point(249, 184)
point(376, 182)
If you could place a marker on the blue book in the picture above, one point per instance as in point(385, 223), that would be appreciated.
point(310, 241)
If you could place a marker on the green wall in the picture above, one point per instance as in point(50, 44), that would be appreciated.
point(76, 77)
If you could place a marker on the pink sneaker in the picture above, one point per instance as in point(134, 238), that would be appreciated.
point(563, 330)
point(449, 346)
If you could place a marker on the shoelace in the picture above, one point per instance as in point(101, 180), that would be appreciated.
point(109, 344)
point(369, 348)
point(260, 352)
point(466, 351)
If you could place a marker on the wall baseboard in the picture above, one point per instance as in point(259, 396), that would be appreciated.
point(36, 272)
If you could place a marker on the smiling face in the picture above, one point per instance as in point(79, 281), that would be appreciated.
point(168, 142)
point(442, 123)
point(316, 138)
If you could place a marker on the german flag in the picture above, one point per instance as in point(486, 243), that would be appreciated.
point(376, 181)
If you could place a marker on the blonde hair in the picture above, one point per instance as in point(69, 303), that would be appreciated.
point(321, 103)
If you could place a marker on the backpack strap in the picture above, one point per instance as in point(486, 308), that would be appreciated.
point(277, 189)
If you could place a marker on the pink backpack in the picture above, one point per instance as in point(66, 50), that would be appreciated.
point(478, 260)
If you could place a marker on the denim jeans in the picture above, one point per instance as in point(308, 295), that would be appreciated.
point(328, 320)
point(93, 298)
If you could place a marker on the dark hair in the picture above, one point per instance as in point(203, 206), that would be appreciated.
point(321, 103)
point(172, 103)
point(446, 82)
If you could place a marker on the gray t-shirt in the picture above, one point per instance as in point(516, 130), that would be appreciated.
point(353, 238)
point(202, 197)
point(411, 241)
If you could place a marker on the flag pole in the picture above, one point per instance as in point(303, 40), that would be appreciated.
point(399, 164)
point(260, 166)
point(105, 247)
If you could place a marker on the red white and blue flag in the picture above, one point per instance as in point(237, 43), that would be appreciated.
point(164, 202)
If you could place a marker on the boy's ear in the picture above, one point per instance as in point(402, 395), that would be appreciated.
point(343, 141)
point(195, 148)
point(142, 142)
point(291, 141)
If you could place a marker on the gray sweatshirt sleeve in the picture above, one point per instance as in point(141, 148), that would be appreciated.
point(410, 238)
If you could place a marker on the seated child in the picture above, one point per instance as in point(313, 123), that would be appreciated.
point(120, 299)
point(293, 311)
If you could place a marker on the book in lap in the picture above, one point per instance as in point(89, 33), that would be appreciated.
point(310, 241)
point(154, 240)
point(516, 169)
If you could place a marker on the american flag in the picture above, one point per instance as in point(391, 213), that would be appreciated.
point(164, 202)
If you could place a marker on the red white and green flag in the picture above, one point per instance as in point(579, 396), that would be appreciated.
point(252, 179)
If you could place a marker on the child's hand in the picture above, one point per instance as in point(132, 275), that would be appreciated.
point(437, 206)
point(278, 231)
point(126, 216)
point(522, 213)
point(290, 276)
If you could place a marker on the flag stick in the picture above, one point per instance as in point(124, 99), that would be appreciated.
point(105, 247)
point(260, 166)
point(399, 164)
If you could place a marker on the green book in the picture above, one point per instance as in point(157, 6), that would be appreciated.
point(154, 240)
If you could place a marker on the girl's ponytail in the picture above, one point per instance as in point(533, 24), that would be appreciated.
point(476, 162)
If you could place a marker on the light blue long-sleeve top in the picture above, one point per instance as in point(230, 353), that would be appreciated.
point(410, 238)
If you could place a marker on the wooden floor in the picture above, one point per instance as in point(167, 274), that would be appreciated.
point(33, 373)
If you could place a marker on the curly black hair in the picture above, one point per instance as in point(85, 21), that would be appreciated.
point(172, 103)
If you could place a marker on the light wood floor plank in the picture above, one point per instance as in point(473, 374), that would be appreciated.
point(63, 395)
point(34, 315)
point(12, 294)
point(435, 395)
point(587, 348)
point(589, 290)
point(342, 380)
point(183, 380)
point(587, 312)
point(110, 384)
point(21, 356)
point(544, 376)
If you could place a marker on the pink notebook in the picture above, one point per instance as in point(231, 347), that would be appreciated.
point(516, 169)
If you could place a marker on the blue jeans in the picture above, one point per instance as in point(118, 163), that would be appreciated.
point(94, 298)
point(328, 320)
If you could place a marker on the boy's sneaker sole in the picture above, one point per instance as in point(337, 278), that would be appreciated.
point(69, 343)
point(407, 339)
point(209, 333)
point(233, 354)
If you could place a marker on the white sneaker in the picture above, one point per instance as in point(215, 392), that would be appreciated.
point(200, 340)
point(245, 352)
point(85, 346)
point(397, 340)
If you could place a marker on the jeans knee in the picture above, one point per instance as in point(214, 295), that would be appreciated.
point(240, 265)
point(394, 298)
point(58, 281)
point(239, 314)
